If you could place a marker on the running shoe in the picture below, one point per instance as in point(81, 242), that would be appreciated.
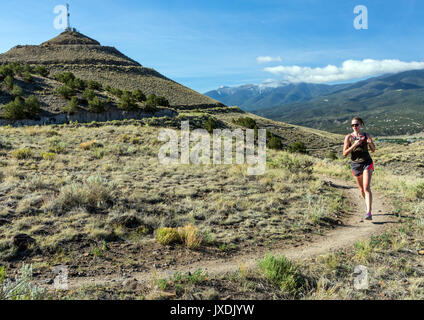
point(368, 216)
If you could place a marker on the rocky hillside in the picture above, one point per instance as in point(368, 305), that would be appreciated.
point(74, 52)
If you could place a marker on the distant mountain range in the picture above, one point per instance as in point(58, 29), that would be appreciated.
point(252, 97)
point(390, 104)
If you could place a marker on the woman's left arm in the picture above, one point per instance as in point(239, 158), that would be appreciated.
point(371, 143)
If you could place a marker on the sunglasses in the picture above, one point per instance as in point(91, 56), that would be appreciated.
point(355, 125)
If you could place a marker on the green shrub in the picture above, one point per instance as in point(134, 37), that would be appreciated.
point(16, 67)
point(116, 92)
point(96, 105)
point(139, 95)
point(298, 147)
point(154, 101)
point(65, 91)
point(332, 155)
point(14, 110)
point(49, 156)
point(32, 106)
point(71, 107)
point(282, 273)
point(8, 82)
point(6, 70)
point(210, 125)
point(65, 77)
point(18, 109)
point(99, 153)
point(275, 143)
point(127, 101)
point(89, 94)
point(167, 236)
point(27, 77)
point(21, 288)
point(17, 91)
point(21, 154)
point(41, 70)
point(246, 122)
point(162, 101)
point(77, 84)
point(94, 195)
point(94, 85)
point(27, 68)
point(135, 140)
point(56, 145)
point(294, 163)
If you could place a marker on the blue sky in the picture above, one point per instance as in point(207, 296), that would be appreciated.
point(209, 43)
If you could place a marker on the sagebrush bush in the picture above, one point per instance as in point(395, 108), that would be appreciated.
point(282, 273)
point(49, 156)
point(56, 145)
point(93, 195)
point(21, 288)
point(21, 154)
point(275, 143)
point(332, 155)
point(246, 122)
point(90, 145)
point(298, 147)
point(294, 163)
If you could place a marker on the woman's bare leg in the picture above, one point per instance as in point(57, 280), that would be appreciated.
point(367, 189)
point(359, 182)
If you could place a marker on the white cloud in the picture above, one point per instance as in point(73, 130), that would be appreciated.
point(268, 59)
point(350, 69)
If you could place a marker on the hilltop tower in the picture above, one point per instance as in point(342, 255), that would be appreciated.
point(68, 19)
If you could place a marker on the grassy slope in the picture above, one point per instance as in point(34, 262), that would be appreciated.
point(73, 217)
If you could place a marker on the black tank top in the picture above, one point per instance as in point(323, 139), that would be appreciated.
point(360, 153)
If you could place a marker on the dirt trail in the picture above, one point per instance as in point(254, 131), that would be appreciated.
point(354, 229)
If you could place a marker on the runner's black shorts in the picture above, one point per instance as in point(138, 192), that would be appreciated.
point(358, 168)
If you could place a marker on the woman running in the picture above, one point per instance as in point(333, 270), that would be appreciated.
point(362, 164)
